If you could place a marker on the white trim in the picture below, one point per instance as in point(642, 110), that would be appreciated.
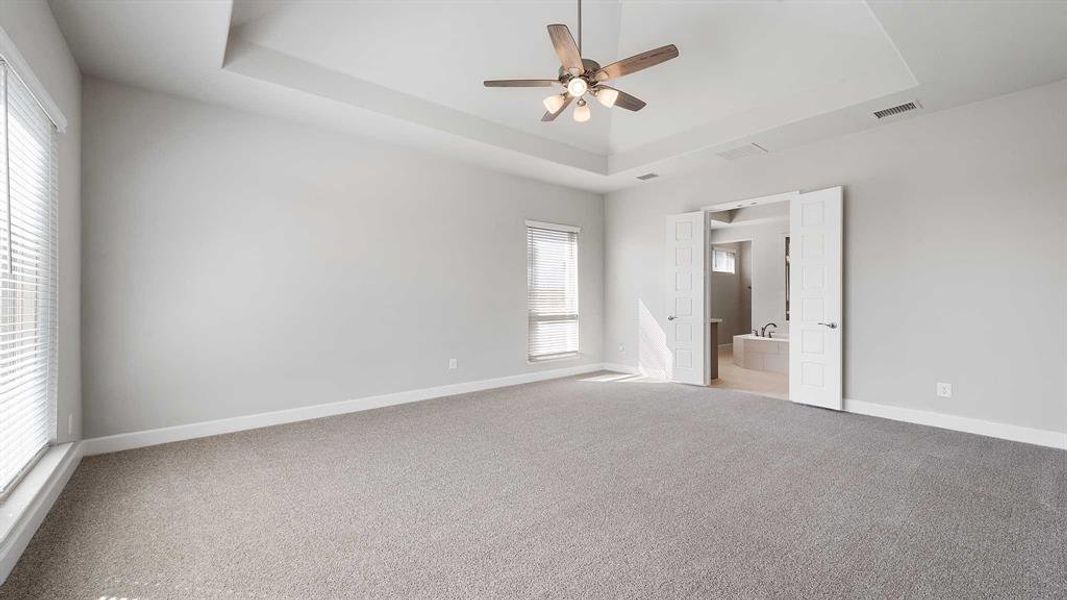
point(747, 202)
point(10, 54)
point(26, 507)
point(1015, 433)
point(621, 368)
point(554, 358)
point(553, 226)
point(164, 435)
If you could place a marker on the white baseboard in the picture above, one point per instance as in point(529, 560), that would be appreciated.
point(25, 509)
point(163, 435)
point(138, 439)
point(621, 368)
point(1015, 433)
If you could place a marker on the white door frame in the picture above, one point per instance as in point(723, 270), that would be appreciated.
point(748, 202)
point(789, 197)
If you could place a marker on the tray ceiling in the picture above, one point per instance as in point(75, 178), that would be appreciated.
point(735, 57)
point(777, 73)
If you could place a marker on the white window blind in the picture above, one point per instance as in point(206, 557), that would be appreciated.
point(28, 212)
point(723, 261)
point(552, 284)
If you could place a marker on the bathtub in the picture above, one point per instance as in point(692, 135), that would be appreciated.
point(761, 354)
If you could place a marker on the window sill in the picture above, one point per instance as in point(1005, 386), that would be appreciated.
point(554, 359)
point(26, 506)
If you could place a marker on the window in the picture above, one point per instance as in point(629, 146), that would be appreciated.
point(552, 288)
point(723, 261)
point(28, 182)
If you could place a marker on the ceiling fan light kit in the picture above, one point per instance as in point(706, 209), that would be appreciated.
point(554, 102)
point(582, 112)
point(606, 96)
point(579, 76)
point(577, 87)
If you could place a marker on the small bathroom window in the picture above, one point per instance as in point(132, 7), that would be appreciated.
point(723, 261)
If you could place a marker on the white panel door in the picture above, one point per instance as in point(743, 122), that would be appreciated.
point(815, 297)
point(686, 328)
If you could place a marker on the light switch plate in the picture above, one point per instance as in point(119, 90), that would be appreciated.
point(453, 363)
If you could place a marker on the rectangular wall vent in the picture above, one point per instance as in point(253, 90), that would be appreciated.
point(745, 151)
point(648, 176)
point(896, 110)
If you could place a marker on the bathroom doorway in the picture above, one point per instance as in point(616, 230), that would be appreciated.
point(748, 294)
point(797, 296)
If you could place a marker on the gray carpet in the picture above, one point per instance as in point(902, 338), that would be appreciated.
point(563, 489)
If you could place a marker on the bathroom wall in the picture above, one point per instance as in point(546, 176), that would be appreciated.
point(745, 264)
point(726, 297)
point(766, 266)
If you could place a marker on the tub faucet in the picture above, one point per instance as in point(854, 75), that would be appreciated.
point(763, 330)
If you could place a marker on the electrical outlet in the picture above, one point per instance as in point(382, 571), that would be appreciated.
point(70, 424)
point(944, 390)
point(622, 349)
point(453, 363)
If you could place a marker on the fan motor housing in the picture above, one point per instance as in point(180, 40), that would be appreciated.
point(591, 66)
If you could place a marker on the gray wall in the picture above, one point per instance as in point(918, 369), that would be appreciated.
point(30, 25)
point(236, 264)
point(956, 254)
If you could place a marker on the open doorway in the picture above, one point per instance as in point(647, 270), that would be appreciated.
point(793, 346)
point(748, 293)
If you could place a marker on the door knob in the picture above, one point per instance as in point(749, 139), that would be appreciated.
point(830, 325)
point(671, 317)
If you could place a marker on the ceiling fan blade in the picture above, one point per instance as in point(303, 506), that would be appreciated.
point(521, 82)
point(566, 49)
point(551, 116)
point(636, 63)
point(624, 100)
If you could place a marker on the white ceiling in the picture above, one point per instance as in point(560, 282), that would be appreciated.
point(777, 73)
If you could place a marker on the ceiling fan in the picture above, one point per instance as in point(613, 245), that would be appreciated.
point(580, 76)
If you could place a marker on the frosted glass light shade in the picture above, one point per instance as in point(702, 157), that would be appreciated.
point(553, 103)
point(582, 112)
point(577, 87)
point(607, 96)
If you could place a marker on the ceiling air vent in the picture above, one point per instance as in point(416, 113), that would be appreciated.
point(648, 176)
point(745, 151)
point(896, 110)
